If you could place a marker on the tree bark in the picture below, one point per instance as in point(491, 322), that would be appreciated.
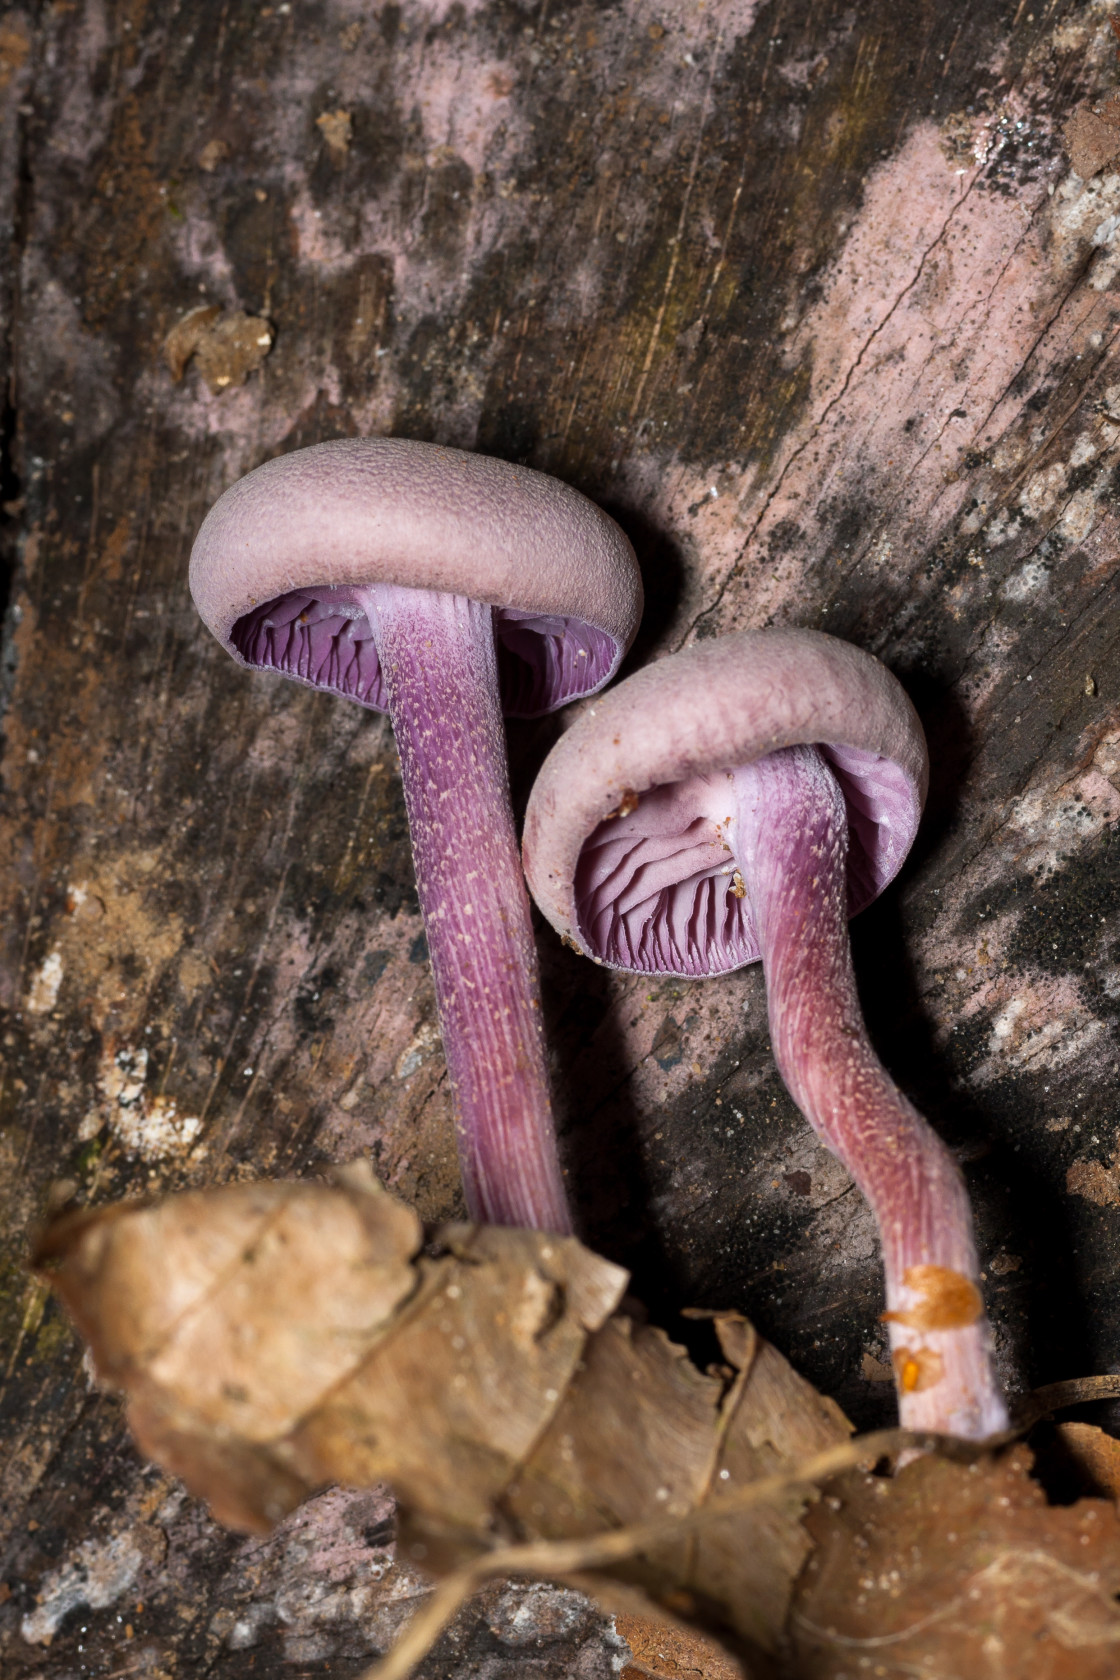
point(809, 298)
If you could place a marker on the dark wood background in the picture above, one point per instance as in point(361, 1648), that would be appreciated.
point(807, 296)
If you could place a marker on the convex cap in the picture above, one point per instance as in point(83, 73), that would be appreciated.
point(279, 556)
point(629, 842)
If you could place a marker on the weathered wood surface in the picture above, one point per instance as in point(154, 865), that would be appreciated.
point(808, 297)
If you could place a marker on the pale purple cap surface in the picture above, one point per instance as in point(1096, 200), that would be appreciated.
point(275, 566)
point(627, 832)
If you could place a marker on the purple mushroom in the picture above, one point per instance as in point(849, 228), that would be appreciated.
point(440, 586)
point(743, 799)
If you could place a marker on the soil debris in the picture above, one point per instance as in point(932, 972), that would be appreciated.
point(212, 154)
point(1096, 1182)
point(1092, 136)
point(336, 127)
point(661, 1652)
point(225, 347)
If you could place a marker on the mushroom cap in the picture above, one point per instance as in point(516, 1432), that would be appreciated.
point(275, 567)
point(623, 848)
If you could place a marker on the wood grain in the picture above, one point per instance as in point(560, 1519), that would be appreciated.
point(808, 298)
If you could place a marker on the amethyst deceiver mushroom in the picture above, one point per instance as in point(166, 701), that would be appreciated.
point(440, 586)
point(743, 799)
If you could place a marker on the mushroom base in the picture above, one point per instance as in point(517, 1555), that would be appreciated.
point(437, 658)
point(791, 840)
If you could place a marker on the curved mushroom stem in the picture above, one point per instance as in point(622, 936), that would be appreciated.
point(791, 844)
point(439, 666)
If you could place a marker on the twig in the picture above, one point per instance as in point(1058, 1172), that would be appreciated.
point(1055, 1397)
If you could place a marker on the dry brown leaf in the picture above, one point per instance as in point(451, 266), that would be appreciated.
point(582, 1562)
point(185, 1305)
point(271, 1338)
point(951, 1569)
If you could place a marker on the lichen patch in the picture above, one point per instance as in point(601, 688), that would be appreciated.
point(46, 983)
point(145, 1123)
point(97, 1573)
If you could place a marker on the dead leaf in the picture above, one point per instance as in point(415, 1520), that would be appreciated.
point(213, 1374)
point(953, 1569)
point(226, 348)
point(572, 1559)
point(271, 1338)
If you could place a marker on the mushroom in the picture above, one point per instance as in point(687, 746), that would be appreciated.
point(439, 585)
point(742, 799)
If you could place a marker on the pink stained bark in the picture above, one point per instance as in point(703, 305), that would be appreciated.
point(791, 843)
point(916, 290)
point(439, 664)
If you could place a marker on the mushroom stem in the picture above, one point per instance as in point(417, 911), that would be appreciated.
point(439, 665)
point(791, 843)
